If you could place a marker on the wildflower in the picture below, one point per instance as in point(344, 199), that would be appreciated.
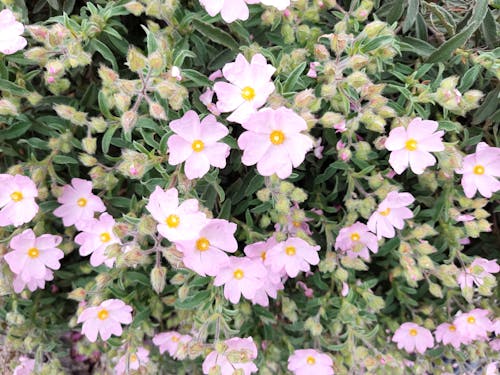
point(355, 240)
point(480, 171)
point(170, 341)
point(97, 235)
point(241, 276)
point(479, 269)
point(412, 146)
point(447, 334)
point(230, 10)
point(11, 40)
point(176, 222)
point(196, 144)
point(31, 255)
point(474, 325)
point(34, 283)
point(237, 354)
point(390, 214)
point(26, 367)
point(78, 204)
point(206, 98)
point(293, 255)
point(248, 89)
point(17, 199)
point(132, 361)
point(312, 70)
point(207, 254)
point(274, 141)
point(310, 361)
point(105, 319)
point(412, 337)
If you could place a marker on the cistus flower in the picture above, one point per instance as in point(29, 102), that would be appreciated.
point(207, 253)
point(176, 222)
point(248, 89)
point(292, 256)
point(411, 337)
point(230, 10)
point(241, 276)
point(236, 357)
point(96, 236)
point(31, 255)
point(447, 334)
point(78, 204)
point(483, 267)
point(170, 341)
point(196, 144)
point(413, 146)
point(474, 325)
point(105, 319)
point(480, 171)
point(34, 283)
point(11, 40)
point(391, 213)
point(17, 199)
point(132, 361)
point(274, 141)
point(355, 241)
point(26, 367)
point(310, 361)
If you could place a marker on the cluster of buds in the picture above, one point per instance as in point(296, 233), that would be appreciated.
point(450, 98)
point(160, 9)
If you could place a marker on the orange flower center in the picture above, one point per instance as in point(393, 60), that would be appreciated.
point(263, 256)
point(310, 360)
point(411, 145)
point(103, 314)
point(471, 320)
point(277, 137)
point(238, 274)
point(355, 236)
point(197, 145)
point(386, 212)
point(16, 196)
point(478, 169)
point(296, 224)
point(133, 358)
point(82, 202)
point(452, 328)
point(105, 237)
point(290, 250)
point(173, 221)
point(33, 253)
point(175, 339)
point(413, 332)
point(202, 244)
point(248, 93)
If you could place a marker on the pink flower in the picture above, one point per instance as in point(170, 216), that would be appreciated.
point(26, 367)
point(31, 255)
point(496, 326)
point(17, 199)
point(412, 337)
point(230, 10)
point(495, 345)
point(293, 255)
point(132, 361)
point(196, 144)
point(274, 141)
point(170, 341)
point(19, 284)
point(248, 89)
point(97, 235)
point(207, 254)
point(105, 319)
point(413, 145)
point(11, 40)
point(238, 355)
point(241, 276)
point(206, 98)
point(391, 214)
point(447, 334)
point(480, 171)
point(312, 70)
point(474, 325)
point(476, 272)
point(310, 361)
point(356, 240)
point(176, 222)
point(78, 203)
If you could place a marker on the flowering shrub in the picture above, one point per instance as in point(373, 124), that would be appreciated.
point(243, 186)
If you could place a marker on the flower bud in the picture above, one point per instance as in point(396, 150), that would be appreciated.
point(137, 62)
point(89, 145)
point(321, 52)
point(98, 125)
point(156, 61)
point(7, 108)
point(156, 111)
point(264, 195)
point(158, 280)
point(135, 8)
point(128, 120)
point(77, 294)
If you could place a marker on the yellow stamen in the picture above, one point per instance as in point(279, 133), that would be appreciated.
point(105, 237)
point(411, 145)
point(277, 137)
point(175, 338)
point(452, 328)
point(310, 360)
point(413, 332)
point(296, 224)
point(82, 202)
point(290, 250)
point(263, 256)
point(355, 236)
point(386, 212)
point(202, 244)
point(173, 221)
point(248, 93)
point(16, 196)
point(197, 145)
point(238, 274)
point(478, 169)
point(103, 314)
point(33, 253)
point(471, 320)
point(133, 358)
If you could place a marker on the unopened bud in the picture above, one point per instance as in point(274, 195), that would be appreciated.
point(135, 8)
point(137, 62)
point(89, 145)
point(156, 111)
point(158, 280)
point(128, 120)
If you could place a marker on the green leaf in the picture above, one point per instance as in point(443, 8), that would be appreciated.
point(193, 302)
point(64, 159)
point(106, 139)
point(396, 11)
point(137, 277)
point(215, 34)
point(197, 79)
point(13, 88)
point(420, 47)
point(411, 14)
point(489, 30)
point(469, 78)
point(16, 130)
point(97, 45)
point(294, 76)
point(377, 42)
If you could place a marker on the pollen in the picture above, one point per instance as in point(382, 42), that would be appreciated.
point(296, 224)
point(471, 320)
point(175, 339)
point(197, 145)
point(452, 328)
point(82, 202)
point(478, 169)
point(16, 196)
point(238, 274)
point(411, 145)
point(248, 93)
point(263, 256)
point(310, 360)
point(277, 137)
point(33, 253)
point(173, 221)
point(290, 250)
point(105, 237)
point(133, 358)
point(413, 332)
point(355, 236)
point(103, 314)
point(202, 244)
point(386, 212)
